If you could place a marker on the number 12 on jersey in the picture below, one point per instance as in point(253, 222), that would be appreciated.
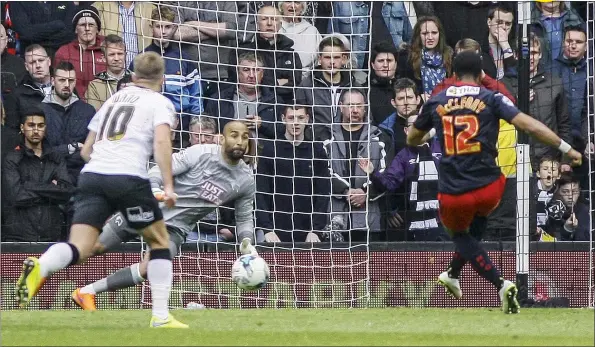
point(461, 142)
point(116, 121)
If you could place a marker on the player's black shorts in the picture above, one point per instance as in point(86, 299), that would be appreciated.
point(99, 196)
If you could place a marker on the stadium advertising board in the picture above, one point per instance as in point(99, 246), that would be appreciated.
point(314, 279)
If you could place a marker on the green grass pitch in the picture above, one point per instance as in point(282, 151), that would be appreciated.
point(286, 327)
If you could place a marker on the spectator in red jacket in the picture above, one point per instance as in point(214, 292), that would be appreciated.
point(85, 52)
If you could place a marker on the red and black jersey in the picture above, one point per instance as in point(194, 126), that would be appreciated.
point(466, 118)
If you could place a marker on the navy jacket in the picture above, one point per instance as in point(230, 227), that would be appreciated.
point(574, 78)
point(293, 188)
point(67, 125)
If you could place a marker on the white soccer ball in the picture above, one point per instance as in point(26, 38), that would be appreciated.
point(250, 272)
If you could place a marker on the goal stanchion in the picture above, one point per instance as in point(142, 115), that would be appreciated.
point(523, 162)
point(591, 140)
point(327, 274)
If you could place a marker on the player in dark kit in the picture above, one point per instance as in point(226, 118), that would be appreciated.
point(466, 119)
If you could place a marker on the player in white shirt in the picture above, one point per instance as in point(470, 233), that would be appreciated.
point(133, 125)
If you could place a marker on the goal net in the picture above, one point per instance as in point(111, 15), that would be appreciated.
point(243, 75)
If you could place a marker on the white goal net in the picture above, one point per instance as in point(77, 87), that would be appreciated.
point(247, 69)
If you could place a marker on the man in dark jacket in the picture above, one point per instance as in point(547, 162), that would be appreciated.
point(247, 100)
point(547, 103)
point(34, 184)
point(282, 65)
point(47, 23)
point(571, 68)
point(293, 183)
point(405, 100)
point(383, 64)
point(67, 119)
point(36, 84)
point(322, 90)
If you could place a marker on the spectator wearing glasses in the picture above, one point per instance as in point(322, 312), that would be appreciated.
point(85, 52)
point(354, 138)
point(203, 130)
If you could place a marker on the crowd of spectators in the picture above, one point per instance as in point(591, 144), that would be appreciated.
point(328, 90)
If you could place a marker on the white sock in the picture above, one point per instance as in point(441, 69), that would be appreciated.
point(160, 275)
point(56, 258)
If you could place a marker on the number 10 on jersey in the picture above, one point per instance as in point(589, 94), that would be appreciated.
point(116, 121)
point(462, 142)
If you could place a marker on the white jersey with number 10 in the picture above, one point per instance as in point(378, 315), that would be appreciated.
point(125, 127)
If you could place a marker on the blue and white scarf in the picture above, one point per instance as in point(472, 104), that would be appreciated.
point(432, 70)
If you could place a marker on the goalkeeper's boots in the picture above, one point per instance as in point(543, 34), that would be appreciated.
point(451, 285)
point(84, 300)
point(29, 282)
point(508, 294)
point(247, 248)
point(170, 322)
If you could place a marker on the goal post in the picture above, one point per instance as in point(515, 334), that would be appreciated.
point(591, 139)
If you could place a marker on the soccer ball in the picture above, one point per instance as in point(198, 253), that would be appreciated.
point(250, 272)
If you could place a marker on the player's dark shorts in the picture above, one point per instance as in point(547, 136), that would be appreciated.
point(457, 211)
point(99, 196)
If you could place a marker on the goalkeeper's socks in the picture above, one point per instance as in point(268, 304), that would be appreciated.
point(160, 274)
point(456, 265)
point(123, 278)
point(57, 257)
point(470, 250)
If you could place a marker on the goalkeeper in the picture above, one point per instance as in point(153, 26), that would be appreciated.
point(205, 177)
